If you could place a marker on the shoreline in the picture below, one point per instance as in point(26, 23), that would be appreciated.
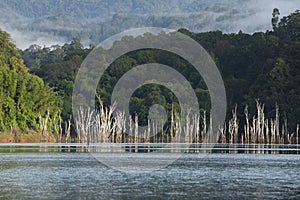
point(27, 137)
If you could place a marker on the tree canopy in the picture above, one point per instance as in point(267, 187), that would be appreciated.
point(24, 98)
point(262, 65)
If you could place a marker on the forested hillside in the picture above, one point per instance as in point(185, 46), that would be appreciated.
point(58, 21)
point(26, 103)
point(263, 65)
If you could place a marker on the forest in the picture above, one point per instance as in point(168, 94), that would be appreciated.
point(56, 21)
point(37, 83)
point(26, 102)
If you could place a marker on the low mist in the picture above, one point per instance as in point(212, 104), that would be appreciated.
point(227, 16)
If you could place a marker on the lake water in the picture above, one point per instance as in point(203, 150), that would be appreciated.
point(58, 175)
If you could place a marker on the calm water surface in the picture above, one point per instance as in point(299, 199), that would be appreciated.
point(216, 176)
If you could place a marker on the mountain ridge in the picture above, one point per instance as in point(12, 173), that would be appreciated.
point(56, 21)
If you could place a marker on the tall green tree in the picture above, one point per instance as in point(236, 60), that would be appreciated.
point(24, 98)
point(275, 18)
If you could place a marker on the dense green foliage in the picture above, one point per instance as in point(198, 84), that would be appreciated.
point(24, 98)
point(263, 66)
point(57, 66)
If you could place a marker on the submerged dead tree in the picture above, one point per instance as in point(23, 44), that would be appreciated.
point(84, 121)
point(105, 126)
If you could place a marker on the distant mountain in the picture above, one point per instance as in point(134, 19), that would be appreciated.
point(57, 21)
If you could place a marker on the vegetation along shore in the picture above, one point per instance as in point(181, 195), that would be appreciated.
point(261, 72)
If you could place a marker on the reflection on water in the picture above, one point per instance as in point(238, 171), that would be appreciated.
point(216, 176)
point(152, 147)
